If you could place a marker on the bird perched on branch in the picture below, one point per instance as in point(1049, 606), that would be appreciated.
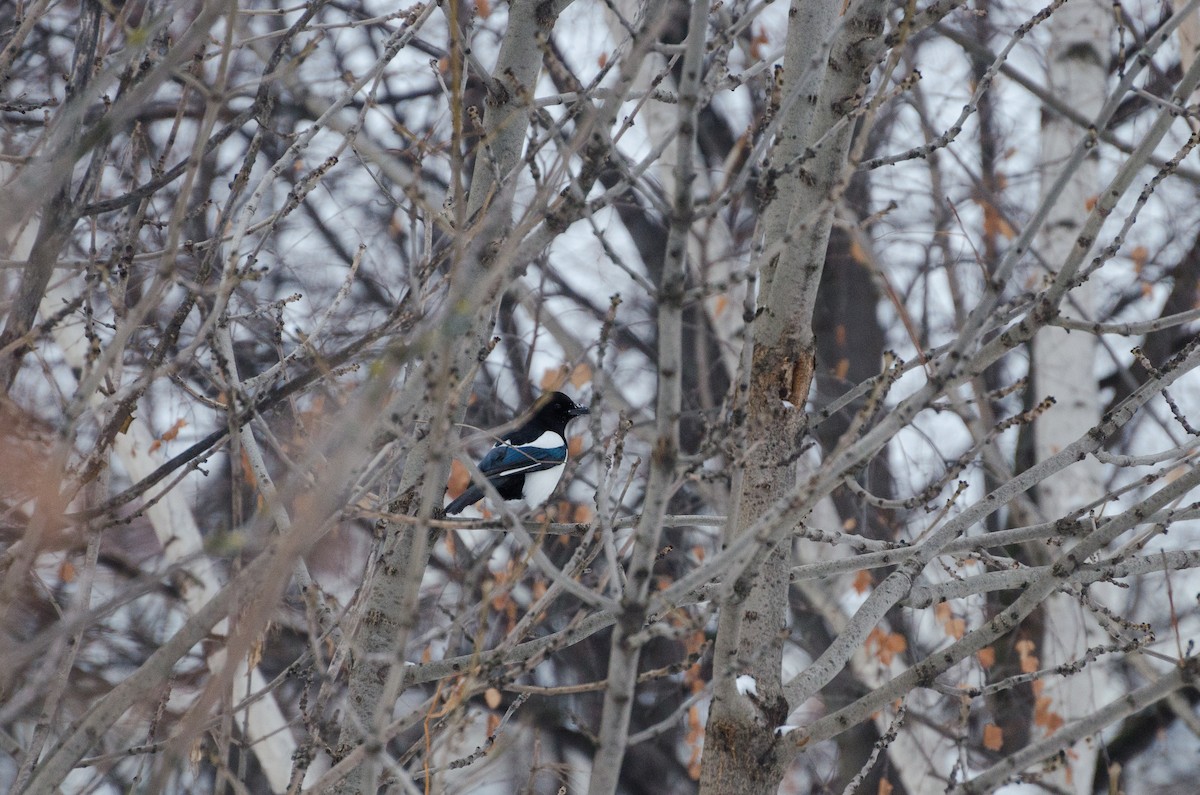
point(527, 463)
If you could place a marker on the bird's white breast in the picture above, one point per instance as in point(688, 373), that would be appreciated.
point(540, 485)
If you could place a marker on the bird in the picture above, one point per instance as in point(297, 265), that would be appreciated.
point(527, 463)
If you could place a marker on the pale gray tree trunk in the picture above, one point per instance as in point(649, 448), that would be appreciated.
point(1064, 367)
point(742, 751)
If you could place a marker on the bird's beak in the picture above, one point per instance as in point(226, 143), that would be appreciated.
point(577, 410)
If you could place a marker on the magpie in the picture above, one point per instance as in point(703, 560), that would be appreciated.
point(527, 463)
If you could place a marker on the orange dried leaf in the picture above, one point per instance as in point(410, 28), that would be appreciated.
point(995, 224)
point(1049, 720)
point(719, 305)
point(695, 741)
point(858, 253)
point(602, 61)
point(693, 678)
point(887, 645)
point(460, 478)
point(553, 378)
point(1139, 256)
point(956, 628)
point(491, 697)
point(66, 571)
point(993, 737)
point(1090, 204)
point(756, 44)
point(484, 8)
point(574, 446)
point(247, 470)
point(862, 581)
point(842, 369)
point(174, 430)
point(987, 656)
point(885, 787)
point(581, 375)
point(1028, 660)
point(493, 724)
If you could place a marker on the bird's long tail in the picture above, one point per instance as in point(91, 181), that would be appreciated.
point(469, 497)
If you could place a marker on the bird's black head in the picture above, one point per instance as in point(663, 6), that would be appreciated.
point(555, 410)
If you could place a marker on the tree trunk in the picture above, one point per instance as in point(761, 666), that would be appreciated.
point(742, 751)
point(1064, 368)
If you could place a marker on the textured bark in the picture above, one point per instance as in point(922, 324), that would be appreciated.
point(391, 597)
point(625, 649)
point(1063, 367)
point(742, 751)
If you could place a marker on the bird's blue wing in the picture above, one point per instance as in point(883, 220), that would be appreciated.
point(509, 460)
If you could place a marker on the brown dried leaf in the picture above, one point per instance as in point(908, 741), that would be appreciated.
point(553, 379)
point(993, 737)
point(1139, 256)
point(862, 581)
point(1029, 661)
point(574, 446)
point(174, 430)
point(581, 375)
point(460, 478)
point(1049, 720)
point(756, 44)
